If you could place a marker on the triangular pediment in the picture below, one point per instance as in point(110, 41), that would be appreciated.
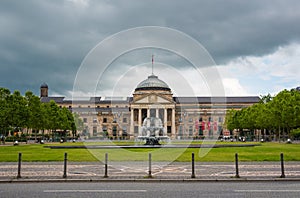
point(153, 98)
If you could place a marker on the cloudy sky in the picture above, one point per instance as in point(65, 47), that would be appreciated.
point(254, 44)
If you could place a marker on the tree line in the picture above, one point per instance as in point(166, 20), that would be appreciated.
point(277, 116)
point(22, 113)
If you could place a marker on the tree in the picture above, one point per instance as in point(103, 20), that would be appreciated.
point(67, 120)
point(53, 116)
point(295, 133)
point(280, 113)
point(35, 114)
point(4, 111)
point(283, 107)
point(231, 121)
point(17, 111)
point(78, 124)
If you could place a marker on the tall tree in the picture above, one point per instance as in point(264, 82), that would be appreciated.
point(35, 114)
point(54, 118)
point(78, 124)
point(4, 111)
point(18, 111)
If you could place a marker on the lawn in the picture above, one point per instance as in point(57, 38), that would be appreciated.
point(263, 152)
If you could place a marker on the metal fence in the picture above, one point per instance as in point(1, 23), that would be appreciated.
point(149, 169)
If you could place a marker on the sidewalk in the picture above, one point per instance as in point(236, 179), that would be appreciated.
point(139, 171)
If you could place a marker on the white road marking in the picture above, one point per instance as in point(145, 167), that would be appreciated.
point(93, 191)
point(262, 191)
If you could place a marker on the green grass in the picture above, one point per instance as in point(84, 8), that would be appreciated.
point(37, 152)
point(265, 152)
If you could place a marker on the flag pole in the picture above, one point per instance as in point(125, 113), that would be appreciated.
point(152, 63)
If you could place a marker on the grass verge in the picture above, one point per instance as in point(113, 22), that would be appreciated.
point(265, 152)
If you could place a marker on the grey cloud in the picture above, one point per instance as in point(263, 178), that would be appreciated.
point(45, 41)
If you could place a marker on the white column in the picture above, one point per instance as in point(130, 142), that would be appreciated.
point(173, 123)
point(165, 121)
point(140, 121)
point(131, 122)
point(148, 112)
point(157, 113)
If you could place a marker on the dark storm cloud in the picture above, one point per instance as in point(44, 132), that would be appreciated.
point(45, 41)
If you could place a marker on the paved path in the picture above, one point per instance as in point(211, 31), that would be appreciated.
point(139, 170)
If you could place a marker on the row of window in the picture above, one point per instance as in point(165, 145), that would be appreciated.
point(181, 131)
point(124, 120)
point(210, 119)
point(79, 106)
point(114, 130)
point(85, 120)
point(199, 130)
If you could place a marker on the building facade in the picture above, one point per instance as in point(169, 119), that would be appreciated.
point(182, 117)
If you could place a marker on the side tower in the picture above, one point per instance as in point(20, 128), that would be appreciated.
point(44, 90)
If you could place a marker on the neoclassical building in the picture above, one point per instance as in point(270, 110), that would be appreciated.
point(182, 117)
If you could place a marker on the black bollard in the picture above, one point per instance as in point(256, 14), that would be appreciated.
point(105, 166)
point(193, 166)
point(19, 165)
point(282, 166)
point(150, 173)
point(65, 165)
point(237, 166)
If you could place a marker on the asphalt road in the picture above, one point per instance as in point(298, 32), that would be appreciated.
point(152, 189)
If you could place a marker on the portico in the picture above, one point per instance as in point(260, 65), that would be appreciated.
point(153, 98)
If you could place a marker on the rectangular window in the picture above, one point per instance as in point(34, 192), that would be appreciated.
point(124, 120)
point(85, 120)
point(200, 132)
point(190, 130)
point(219, 129)
point(124, 131)
point(94, 131)
point(220, 119)
point(180, 130)
point(104, 120)
point(210, 132)
point(114, 131)
point(95, 120)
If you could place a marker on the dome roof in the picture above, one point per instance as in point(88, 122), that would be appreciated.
point(152, 83)
point(44, 85)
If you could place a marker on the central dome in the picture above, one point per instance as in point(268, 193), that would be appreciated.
point(152, 83)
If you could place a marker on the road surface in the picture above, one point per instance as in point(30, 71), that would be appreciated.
point(152, 189)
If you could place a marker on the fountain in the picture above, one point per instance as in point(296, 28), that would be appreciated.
point(152, 131)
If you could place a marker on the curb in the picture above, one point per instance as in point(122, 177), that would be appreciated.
point(149, 180)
